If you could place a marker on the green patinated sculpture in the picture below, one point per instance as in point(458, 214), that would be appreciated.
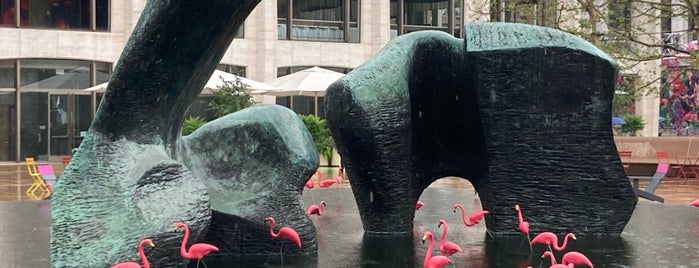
point(520, 111)
point(254, 163)
point(428, 106)
point(133, 177)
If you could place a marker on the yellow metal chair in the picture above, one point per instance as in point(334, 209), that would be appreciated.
point(38, 189)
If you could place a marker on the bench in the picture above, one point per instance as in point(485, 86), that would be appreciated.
point(649, 191)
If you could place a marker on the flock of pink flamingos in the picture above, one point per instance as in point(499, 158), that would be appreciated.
point(570, 259)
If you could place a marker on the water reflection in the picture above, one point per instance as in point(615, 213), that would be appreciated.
point(658, 235)
point(381, 251)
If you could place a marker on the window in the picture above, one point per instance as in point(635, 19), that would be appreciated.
point(59, 74)
point(410, 16)
point(234, 69)
point(540, 12)
point(619, 16)
point(57, 14)
point(318, 20)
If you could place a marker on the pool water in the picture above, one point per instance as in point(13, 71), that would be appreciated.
point(658, 235)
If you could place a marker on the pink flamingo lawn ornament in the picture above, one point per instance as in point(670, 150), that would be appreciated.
point(131, 264)
point(286, 233)
point(553, 261)
point(340, 175)
point(433, 261)
point(576, 258)
point(447, 247)
point(551, 239)
point(316, 209)
point(475, 218)
point(523, 225)
point(310, 184)
point(695, 203)
point(324, 183)
point(196, 251)
point(418, 205)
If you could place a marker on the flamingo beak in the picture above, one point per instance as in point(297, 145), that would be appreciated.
point(573, 237)
point(152, 244)
point(454, 210)
point(424, 237)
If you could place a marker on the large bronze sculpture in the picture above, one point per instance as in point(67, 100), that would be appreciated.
point(135, 177)
point(520, 111)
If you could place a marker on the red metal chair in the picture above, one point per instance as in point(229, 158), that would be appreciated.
point(678, 166)
point(66, 161)
point(625, 158)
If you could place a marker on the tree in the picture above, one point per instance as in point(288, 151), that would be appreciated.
point(624, 97)
point(641, 35)
point(624, 29)
point(320, 132)
point(232, 96)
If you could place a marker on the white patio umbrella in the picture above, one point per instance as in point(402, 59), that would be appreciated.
point(215, 81)
point(309, 82)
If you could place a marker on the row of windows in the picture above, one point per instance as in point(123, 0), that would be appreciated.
point(318, 20)
point(409, 16)
point(60, 14)
point(54, 112)
point(308, 20)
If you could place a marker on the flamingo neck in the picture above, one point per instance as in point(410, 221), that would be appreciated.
point(519, 214)
point(463, 215)
point(321, 208)
point(551, 256)
point(271, 229)
point(146, 264)
point(444, 235)
point(183, 247)
point(428, 256)
point(565, 243)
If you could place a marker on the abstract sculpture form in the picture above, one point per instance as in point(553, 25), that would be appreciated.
point(134, 175)
point(520, 111)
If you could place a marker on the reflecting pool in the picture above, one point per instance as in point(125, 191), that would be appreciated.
point(658, 235)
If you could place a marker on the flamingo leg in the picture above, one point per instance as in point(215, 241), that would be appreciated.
point(202, 262)
point(489, 233)
point(199, 260)
point(522, 241)
point(311, 191)
point(268, 257)
point(281, 253)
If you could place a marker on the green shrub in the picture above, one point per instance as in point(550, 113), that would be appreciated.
point(320, 132)
point(191, 124)
point(633, 123)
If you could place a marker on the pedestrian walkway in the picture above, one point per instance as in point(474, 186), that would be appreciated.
point(15, 180)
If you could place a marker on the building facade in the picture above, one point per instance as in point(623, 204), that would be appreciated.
point(57, 48)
